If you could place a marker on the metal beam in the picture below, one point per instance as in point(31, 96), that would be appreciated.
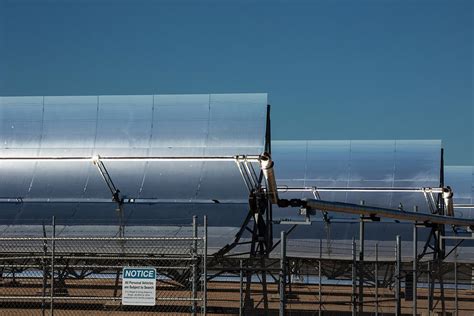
point(248, 158)
point(463, 205)
point(128, 200)
point(458, 237)
point(362, 189)
point(385, 212)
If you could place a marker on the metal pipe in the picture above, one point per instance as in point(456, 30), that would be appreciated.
point(129, 200)
point(354, 276)
point(121, 258)
point(282, 273)
point(245, 176)
point(376, 279)
point(52, 266)
point(398, 255)
point(99, 238)
point(457, 237)
point(194, 268)
point(45, 277)
point(67, 298)
point(415, 268)
point(241, 298)
point(448, 201)
point(249, 158)
point(428, 296)
point(89, 298)
point(99, 258)
point(320, 276)
point(205, 268)
point(91, 266)
point(361, 262)
point(456, 307)
point(463, 205)
point(362, 189)
point(384, 212)
point(266, 164)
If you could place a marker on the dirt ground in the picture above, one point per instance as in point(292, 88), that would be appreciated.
point(100, 297)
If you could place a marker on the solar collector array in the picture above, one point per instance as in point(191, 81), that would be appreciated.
point(127, 126)
point(184, 126)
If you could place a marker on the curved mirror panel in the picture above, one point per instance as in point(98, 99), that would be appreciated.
point(461, 181)
point(351, 164)
point(127, 126)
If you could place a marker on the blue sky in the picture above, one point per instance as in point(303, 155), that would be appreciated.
point(333, 69)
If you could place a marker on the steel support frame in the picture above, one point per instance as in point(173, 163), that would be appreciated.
point(435, 246)
point(258, 223)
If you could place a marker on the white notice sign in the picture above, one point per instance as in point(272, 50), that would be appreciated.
point(138, 286)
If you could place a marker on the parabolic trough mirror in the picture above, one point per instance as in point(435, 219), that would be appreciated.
point(157, 192)
point(52, 146)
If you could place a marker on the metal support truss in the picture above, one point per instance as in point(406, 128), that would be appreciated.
point(435, 244)
point(116, 196)
point(258, 222)
point(434, 250)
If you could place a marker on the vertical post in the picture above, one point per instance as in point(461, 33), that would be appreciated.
point(194, 266)
point(428, 296)
point(241, 299)
point(45, 277)
point(361, 261)
point(456, 283)
point(472, 278)
point(415, 266)
point(320, 275)
point(52, 266)
point(205, 267)
point(397, 277)
point(354, 278)
point(376, 279)
point(282, 272)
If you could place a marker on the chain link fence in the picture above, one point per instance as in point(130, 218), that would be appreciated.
point(322, 285)
point(50, 275)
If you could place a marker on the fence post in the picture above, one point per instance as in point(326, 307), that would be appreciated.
point(376, 279)
point(428, 297)
point(320, 275)
point(52, 266)
point(45, 277)
point(398, 276)
point(361, 261)
point(282, 272)
point(456, 283)
point(194, 266)
point(241, 290)
point(415, 266)
point(354, 278)
point(205, 267)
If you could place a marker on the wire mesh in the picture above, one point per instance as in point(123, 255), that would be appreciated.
point(48, 275)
